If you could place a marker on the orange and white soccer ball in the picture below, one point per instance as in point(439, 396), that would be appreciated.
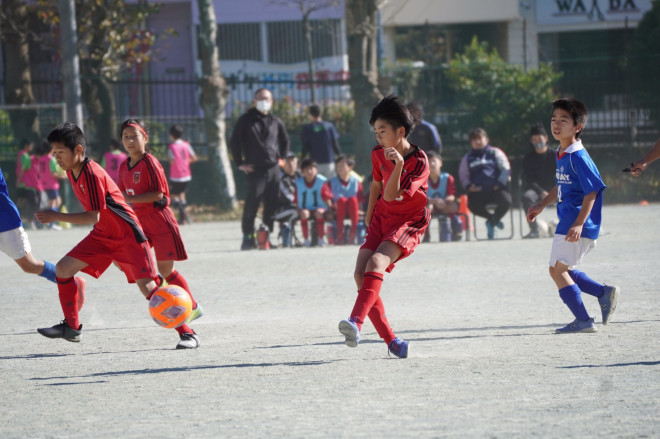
point(170, 306)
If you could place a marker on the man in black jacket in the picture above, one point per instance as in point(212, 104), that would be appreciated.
point(257, 143)
point(538, 177)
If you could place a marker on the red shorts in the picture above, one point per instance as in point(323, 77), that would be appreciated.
point(134, 259)
point(405, 230)
point(161, 228)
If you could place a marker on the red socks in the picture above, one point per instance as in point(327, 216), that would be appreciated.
point(184, 329)
point(176, 279)
point(367, 296)
point(69, 300)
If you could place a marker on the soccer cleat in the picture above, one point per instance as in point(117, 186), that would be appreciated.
point(81, 283)
point(578, 326)
point(196, 313)
point(350, 331)
point(490, 229)
point(608, 302)
point(534, 234)
point(62, 330)
point(321, 243)
point(188, 341)
point(398, 347)
point(306, 243)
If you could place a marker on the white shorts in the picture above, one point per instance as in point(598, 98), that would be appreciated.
point(570, 253)
point(15, 243)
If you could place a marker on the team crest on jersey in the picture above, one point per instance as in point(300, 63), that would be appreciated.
point(136, 177)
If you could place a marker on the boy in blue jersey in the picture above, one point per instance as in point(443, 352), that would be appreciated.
point(345, 189)
point(14, 241)
point(311, 192)
point(579, 203)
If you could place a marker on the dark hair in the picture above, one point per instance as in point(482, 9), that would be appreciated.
point(69, 135)
point(114, 144)
point(44, 148)
point(314, 110)
point(391, 111)
point(476, 133)
point(307, 163)
point(575, 108)
point(176, 131)
point(349, 160)
point(433, 154)
point(538, 130)
point(259, 90)
point(415, 109)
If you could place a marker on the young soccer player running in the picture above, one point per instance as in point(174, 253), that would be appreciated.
point(117, 235)
point(143, 183)
point(396, 217)
point(579, 203)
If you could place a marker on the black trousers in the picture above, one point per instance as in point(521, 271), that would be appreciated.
point(262, 185)
point(477, 202)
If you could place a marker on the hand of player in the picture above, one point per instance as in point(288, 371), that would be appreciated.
point(574, 233)
point(533, 212)
point(636, 168)
point(46, 216)
point(393, 154)
point(474, 188)
point(247, 168)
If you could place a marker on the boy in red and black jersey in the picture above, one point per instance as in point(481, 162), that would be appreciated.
point(396, 216)
point(117, 234)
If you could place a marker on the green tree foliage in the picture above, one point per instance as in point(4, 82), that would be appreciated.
point(502, 98)
point(644, 62)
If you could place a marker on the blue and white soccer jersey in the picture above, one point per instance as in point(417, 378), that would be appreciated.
point(576, 177)
point(310, 197)
point(13, 239)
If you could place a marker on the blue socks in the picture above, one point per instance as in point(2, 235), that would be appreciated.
point(49, 272)
point(572, 297)
point(586, 284)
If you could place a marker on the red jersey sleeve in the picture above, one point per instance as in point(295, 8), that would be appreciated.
point(417, 173)
point(326, 192)
point(157, 175)
point(376, 172)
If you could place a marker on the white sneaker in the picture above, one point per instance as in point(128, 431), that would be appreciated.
point(306, 243)
point(188, 341)
point(322, 243)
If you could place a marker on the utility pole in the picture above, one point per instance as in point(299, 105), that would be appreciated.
point(70, 66)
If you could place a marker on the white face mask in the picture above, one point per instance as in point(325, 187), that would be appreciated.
point(264, 106)
point(538, 145)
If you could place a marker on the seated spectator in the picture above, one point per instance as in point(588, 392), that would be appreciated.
point(309, 193)
point(538, 174)
point(345, 189)
point(425, 134)
point(287, 212)
point(485, 173)
point(442, 201)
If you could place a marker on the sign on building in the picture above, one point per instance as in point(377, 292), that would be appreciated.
point(571, 12)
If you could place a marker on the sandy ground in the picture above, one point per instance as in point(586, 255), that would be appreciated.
point(485, 361)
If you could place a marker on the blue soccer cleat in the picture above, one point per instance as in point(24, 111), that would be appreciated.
point(399, 348)
point(608, 302)
point(578, 326)
point(350, 331)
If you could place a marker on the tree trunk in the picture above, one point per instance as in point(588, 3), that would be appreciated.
point(362, 36)
point(18, 79)
point(213, 100)
point(307, 29)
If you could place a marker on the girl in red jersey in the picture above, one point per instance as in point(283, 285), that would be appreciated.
point(142, 181)
point(396, 217)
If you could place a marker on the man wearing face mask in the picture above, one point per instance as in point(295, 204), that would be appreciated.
point(538, 176)
point(257, 143)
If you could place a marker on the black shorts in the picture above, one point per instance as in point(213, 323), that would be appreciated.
point(178, 187)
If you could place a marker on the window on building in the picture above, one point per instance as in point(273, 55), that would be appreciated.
point(239, 41)
point(286, 44)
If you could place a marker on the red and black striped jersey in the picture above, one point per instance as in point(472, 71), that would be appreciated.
point(145, 175)
point(413, 181)
point(97, 191)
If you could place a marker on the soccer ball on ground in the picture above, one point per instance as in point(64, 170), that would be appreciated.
point(170, 306)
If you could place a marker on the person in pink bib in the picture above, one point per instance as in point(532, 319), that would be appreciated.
point(113, 159)
point(180, 155)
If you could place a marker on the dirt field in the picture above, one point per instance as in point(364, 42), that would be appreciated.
point(485, 361)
